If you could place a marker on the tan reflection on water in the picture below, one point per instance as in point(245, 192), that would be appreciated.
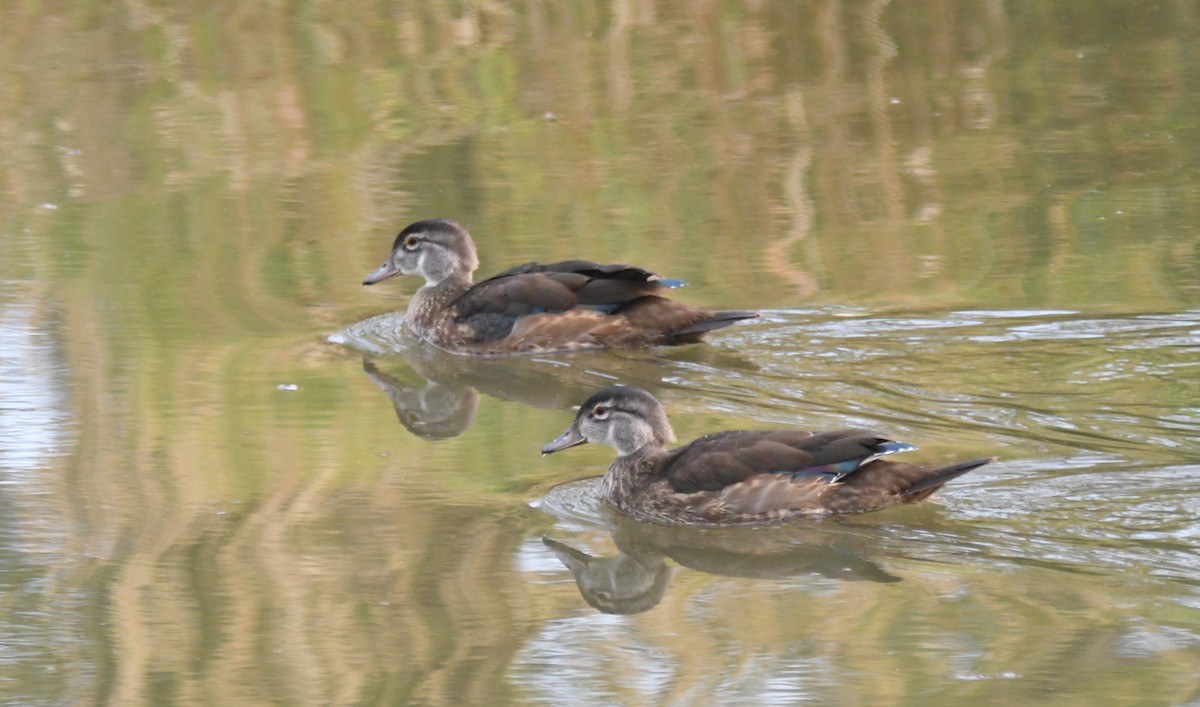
point(190, 197)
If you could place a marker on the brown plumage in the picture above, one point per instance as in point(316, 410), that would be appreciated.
point(535, 308)
point(743, 476)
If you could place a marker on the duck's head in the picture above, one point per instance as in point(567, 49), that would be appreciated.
point(435, 249)
point(620, 416)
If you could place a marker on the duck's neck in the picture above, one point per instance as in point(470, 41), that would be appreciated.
point(430, 305)
point(629, 475)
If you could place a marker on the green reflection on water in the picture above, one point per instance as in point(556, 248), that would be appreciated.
point(191, 196)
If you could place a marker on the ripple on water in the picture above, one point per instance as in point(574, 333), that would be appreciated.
point(1089, 328)
point(1014, 313)
point(381, 334)
point(578, 505)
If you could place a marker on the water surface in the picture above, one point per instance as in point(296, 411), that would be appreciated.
point(227, 479)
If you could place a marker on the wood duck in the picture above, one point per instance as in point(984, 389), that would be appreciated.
point(743, 476)
point(534, 308)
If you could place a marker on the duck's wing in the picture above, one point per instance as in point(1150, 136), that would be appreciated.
point(718, 461)
point(755, 476)
point(534, 288)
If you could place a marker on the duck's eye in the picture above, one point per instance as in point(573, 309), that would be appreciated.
point(411, 243)
point(600, 412)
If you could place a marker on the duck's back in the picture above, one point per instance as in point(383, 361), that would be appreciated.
point(571, 305)
point(533, 288)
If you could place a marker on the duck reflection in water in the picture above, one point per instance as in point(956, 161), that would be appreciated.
point(637, 577)
point(436, 394)
point(429, 409)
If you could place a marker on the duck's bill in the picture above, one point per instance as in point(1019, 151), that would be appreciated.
point(384, 272)
point(570, 438)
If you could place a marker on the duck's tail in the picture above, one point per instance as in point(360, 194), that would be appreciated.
point(939, 477)
point(714, 320)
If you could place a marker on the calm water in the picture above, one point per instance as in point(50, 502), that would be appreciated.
point(226, 479)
